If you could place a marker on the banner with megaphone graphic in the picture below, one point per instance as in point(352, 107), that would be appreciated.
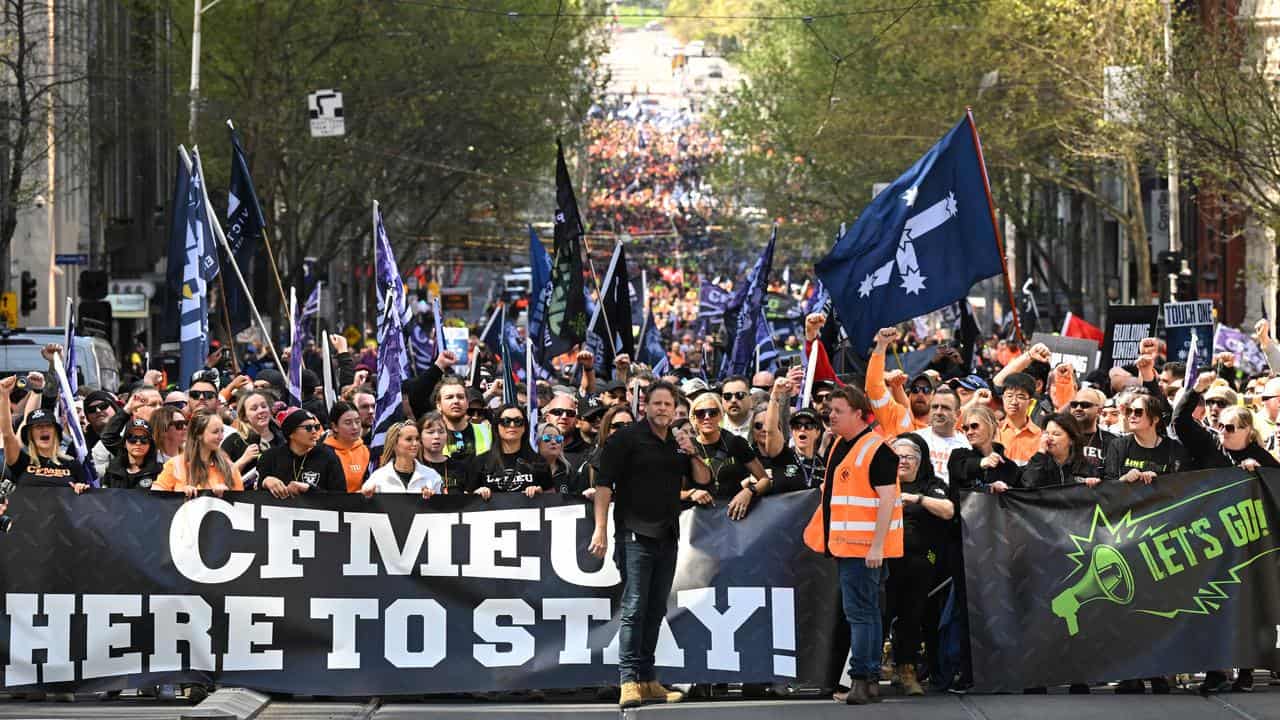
point(1076, 584)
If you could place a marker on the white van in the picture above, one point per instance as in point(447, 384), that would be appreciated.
point(95, 359)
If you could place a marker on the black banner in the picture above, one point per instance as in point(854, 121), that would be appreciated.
point(339, 595)
point(1127, 326)
point(1123, 581)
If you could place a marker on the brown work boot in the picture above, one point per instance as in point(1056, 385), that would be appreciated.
point(907, 676)
point(857, 694)
point(653, 691)
point(873, 690)
point(630, 695)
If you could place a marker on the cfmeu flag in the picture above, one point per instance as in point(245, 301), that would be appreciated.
point(920, 245)
point(199, 266)
point(393, 361)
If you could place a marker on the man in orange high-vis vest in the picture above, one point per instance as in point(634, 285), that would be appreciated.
point(860, 524)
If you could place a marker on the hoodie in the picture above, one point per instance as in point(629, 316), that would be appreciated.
point(354, 459)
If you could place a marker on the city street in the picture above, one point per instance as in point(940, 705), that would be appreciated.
point(1261, 705)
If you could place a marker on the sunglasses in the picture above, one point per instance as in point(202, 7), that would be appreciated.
point(138, 440)
point(178, 425)
point(1136, 412)
point(202, 394)
point(179, 404)
point(803, 426)
point(971, 427)
point(310, 427)
point(553, 438)
point(1228, 428)
point(822, 397)
point(706, 413)
point(1082, 405)
point(617, 426)
point(511, 422)
point(95, 409)
point(758, 426)
point(563, 412)
point(1217, 402)
point(734, 395)
point(920, 390)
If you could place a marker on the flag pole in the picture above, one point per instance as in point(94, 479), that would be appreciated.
point(226, 324)
point(326, 366)
point(275, 272)
point(226, 247)
point(995, 225)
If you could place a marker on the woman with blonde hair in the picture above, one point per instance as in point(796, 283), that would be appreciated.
point(169, 431)
point(399, 470)
point(36, 458)
point(203, 464)
point(255, 433)
point(736, 473)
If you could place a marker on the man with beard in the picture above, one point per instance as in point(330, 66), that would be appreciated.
point(465, 437)
point(941, 435)
point(563, 411)
point(735, 392)
point(1085, 408)
point(894, 418)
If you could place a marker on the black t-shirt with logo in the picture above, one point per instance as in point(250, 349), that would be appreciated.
point(513, 472)
point(727, 458)
point(790, 472)
point(320, 468)
point(50, 473)
point(1126, 454)
point(1095, 449)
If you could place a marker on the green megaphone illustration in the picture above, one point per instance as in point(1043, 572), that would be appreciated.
point(1108, 578)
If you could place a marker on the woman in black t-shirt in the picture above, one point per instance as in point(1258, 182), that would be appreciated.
point(615, 418)
point(926, 515)
point(35, 458)
point(564, 479)
point(456, 472)
point(736, 473)
point(1147, 452)
point(135, 466)
point(511, 465)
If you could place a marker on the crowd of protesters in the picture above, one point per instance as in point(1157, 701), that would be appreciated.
point(1003, 421)
point(649, 173)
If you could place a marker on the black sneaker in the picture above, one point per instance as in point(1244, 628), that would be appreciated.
point(1244, 682)
point(960, 687)
point(1159, 686)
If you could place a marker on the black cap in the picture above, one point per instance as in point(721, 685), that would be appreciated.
point(806, 414)
point(209, 375)
point(137, 424)
point(590, 407)
point(295, 419)
point(39, 417)
point(98, 397)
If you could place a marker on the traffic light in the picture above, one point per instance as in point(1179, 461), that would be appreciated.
point(28, 293)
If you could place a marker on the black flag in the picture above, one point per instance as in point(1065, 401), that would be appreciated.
point(567, 308)
point(617, 308)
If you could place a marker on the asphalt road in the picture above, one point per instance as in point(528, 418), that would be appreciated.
point(1260, 705)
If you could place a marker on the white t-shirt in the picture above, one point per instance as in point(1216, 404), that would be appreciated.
point(940, 450)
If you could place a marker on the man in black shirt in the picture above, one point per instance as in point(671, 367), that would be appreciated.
point(300, 466)
point(1085, 407)
point(646, 464)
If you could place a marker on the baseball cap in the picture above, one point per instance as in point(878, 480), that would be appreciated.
point(972, 382)
point(693, 387)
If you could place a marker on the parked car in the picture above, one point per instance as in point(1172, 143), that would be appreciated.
point(95, 360)
point(697, 48)
point(716, 71)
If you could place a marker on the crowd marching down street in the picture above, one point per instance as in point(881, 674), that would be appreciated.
point(677, 387)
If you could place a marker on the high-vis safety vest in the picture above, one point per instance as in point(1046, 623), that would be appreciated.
point(844, 524)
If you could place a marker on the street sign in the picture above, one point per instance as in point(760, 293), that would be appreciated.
point(71, 259)
point(9, 308)
point(325, 110)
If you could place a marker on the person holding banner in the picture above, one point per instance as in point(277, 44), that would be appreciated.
point(615, 418)
point(736, 473)
point(399, 470)
point(255, 433)
point(1147, 452)
point(36, 458)
point(1060, 460)
point(136, 466)
point(1234, 444)
point(512, 465)
point(345, 440)
point(203, 465)
point(551, 443)
point(301, 465)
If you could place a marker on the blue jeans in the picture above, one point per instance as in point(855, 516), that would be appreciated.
point(860, 595)
point(647, 566)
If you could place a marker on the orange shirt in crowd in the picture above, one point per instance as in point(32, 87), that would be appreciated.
point(354, 459)
point(173, 477)
point(1019, 445)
